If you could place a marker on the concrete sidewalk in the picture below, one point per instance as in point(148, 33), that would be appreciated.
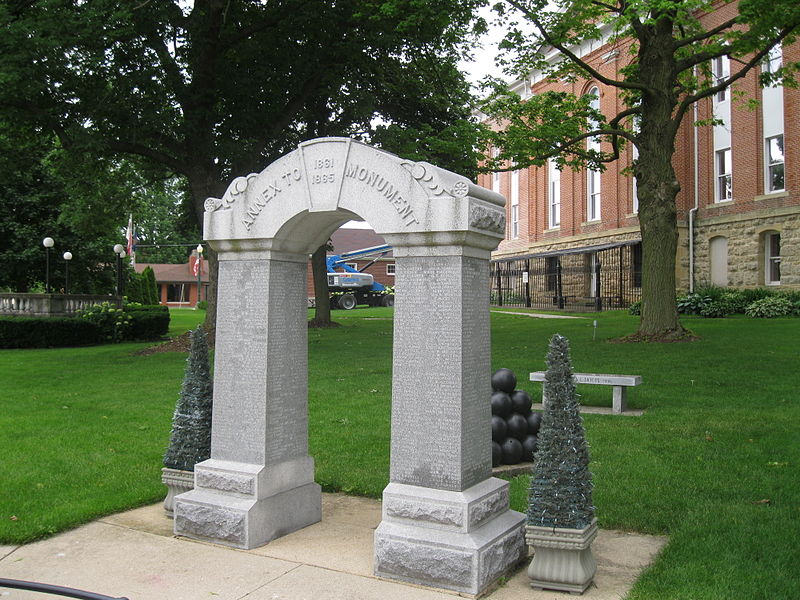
point(134, 554)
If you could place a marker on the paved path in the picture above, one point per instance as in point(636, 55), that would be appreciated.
point(535, 315)
point(134, 554)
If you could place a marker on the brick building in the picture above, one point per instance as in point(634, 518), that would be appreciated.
point(572, 237)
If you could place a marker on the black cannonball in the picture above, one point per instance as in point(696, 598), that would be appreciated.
point(517, 426)
point(504, 380)
point(534, 422)
point(501, 404)
point(497, 454)
point(499, 429)
point(512, 451)
point(529, 447)
point(521, 402)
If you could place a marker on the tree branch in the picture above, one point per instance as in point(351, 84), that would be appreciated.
point(748, 66)
point(155, 155)
point(706, 34)
point(533, 18)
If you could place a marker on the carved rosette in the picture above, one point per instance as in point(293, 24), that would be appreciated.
point(237, 187)
point(426, 177)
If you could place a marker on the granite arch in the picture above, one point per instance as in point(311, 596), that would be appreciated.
point(441, 507)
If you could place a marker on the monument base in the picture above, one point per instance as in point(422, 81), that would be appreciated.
point(246, 506)
point(461, 541)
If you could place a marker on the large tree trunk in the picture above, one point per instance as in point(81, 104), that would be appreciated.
point(322, 304)
point(205, 184)
point(658, 188)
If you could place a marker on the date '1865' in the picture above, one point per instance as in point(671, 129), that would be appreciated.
point(320, 164)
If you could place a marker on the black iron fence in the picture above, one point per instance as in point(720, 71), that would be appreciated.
point(585, 279)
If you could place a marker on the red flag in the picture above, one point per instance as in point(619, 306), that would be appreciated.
point(198, 265)
point(130, 236)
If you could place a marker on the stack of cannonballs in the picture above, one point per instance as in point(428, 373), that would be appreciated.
point(514, 426)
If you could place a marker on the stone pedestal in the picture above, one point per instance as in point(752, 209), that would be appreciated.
point(446, 522)
point(259, 483)
point(246, 506)
point(460, 541)
point(562, 559)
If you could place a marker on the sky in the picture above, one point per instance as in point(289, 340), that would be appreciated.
point(477, 70)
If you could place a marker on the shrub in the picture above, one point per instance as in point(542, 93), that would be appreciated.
point(717, 308)
point(709, 290)
point(112, 321)
point(692, 303)
point(752, 294)
point(202, 305)
point(767, 308)
point(48, 332)
point(736, 300)
point(635, 308)
point(147, 322)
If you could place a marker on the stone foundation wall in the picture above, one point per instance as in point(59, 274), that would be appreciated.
point(745, 234)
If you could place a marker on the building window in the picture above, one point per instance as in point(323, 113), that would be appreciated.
point(773, 60)
point(390, 269)
point(515, 204)
point(554, 194)
point(721, 70)
point(636, 265)
point(722, 160)
point(772, 256)
point(177, 292)
point(593, 208)
point(774, 163)
point(718, 255)
point(551, 273)
point(593, 176)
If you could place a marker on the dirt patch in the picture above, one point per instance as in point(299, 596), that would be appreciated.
point(182, 343)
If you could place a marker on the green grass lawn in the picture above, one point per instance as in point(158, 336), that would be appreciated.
point(82, 432)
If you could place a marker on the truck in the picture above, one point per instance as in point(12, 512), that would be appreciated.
point(350, 287)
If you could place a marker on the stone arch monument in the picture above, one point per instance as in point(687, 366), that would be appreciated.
point(445, 521)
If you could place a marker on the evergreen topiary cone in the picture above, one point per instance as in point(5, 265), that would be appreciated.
point(190, 440)
point(561, 524)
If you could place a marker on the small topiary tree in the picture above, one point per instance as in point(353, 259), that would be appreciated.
point(190, 441)
point(150, 287)
point(560, 493)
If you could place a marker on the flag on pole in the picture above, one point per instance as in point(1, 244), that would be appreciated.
point(198, 265)
point(131, 235)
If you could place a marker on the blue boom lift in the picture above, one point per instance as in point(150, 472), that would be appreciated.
point(350, 287)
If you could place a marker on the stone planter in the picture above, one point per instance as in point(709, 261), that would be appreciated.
point(562, 559)
point(177, 482)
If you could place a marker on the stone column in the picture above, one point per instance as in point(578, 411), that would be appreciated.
point(446, 521)
point(259, 483)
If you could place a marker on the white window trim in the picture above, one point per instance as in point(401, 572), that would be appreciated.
point(390, 269)
point(514, 204)
point(721, 70)
point(768, 189)
point(553, 195)
point(769, 258)
point(593, 180)
point(718, 175)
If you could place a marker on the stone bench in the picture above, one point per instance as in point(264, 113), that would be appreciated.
point(620, 383)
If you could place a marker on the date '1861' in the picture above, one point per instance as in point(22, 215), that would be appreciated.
point(322, 164)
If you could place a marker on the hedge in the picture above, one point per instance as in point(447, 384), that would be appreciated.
point(47, 332)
